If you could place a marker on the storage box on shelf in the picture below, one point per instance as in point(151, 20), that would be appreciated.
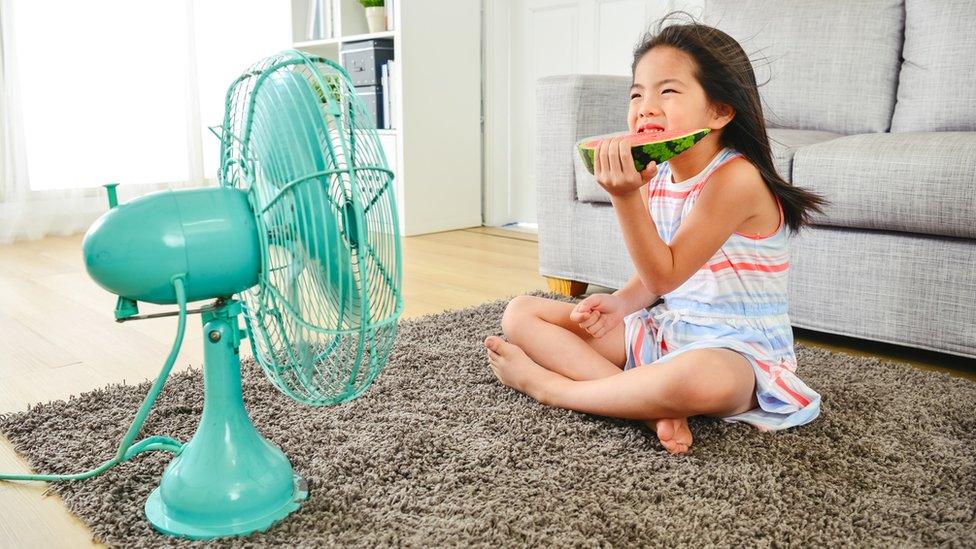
point(366, 62)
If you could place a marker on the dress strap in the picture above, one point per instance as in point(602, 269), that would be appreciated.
point(724, 158)
point(727, 155)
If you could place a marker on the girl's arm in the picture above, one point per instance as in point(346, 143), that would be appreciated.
point(727, 200)
point(635, 295)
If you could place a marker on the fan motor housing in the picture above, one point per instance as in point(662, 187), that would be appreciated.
point(209, 235)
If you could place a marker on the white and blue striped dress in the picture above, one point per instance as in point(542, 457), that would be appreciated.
point(737, 300)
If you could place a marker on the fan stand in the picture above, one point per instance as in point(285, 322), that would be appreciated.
point(228, 480)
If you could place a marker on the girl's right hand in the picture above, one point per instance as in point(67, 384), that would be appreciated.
point(598, 314)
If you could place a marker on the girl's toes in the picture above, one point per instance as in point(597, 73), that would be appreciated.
point(493, 343)
point(674, 447)
point(665, 430)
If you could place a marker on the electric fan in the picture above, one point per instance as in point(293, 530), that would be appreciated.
point(303, 230)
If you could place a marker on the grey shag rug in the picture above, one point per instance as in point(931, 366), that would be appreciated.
point(438, 453)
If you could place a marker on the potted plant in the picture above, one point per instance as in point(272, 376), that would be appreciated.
point(375, 15)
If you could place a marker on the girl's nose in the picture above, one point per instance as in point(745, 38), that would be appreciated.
point(647, 111)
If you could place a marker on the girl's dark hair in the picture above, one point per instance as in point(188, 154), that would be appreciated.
point(725, 73)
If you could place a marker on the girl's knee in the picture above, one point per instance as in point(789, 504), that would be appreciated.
point(517, 310)
point(522, 309)
point(706, 385)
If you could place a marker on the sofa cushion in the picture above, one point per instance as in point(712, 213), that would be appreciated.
point(784, 143)
point(913, 182)
point(937, 87)
point(831, 65)
point(896, 287)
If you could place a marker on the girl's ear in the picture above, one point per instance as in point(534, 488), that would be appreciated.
point(722, 114)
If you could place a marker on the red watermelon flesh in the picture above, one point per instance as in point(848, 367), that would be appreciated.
point(645, 147)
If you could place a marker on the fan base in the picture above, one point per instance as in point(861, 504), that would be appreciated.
point(228, 480)
point(161, 520)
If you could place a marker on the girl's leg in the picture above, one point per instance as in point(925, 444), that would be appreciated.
point(542, 328)
point(711, 382)
point(715, 382)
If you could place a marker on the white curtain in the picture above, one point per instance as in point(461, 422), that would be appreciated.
point(115, 91)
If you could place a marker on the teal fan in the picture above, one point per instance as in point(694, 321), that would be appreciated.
point(302, 240)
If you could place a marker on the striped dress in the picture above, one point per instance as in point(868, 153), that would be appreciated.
point(737, 300)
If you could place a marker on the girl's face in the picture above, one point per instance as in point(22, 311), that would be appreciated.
point(666, 95)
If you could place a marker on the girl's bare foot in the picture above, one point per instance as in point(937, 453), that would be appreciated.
point(674, 434)
point(515, 369)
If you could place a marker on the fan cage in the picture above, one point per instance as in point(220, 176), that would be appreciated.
point(296, 137)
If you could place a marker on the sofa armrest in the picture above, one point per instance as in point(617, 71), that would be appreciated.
point(568, 108)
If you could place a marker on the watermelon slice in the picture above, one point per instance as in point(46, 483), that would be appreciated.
point(647, 146)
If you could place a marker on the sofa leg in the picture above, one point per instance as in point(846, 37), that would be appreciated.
point(570, 288)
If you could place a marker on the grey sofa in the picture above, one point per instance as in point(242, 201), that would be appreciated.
point(870, 103)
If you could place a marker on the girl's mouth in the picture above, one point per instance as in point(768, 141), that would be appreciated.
point(650, 128)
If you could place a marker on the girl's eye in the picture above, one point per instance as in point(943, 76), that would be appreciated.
point(635, 96)
point(668, 90)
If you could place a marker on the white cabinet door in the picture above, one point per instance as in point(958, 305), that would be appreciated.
point(389, 143)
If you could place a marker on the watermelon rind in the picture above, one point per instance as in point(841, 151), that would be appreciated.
point(658, 151)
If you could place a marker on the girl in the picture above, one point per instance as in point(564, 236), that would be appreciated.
point(707, 232)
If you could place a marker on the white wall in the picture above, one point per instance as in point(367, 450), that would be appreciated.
point(529, 39)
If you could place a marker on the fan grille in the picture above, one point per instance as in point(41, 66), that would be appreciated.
point(322, 319)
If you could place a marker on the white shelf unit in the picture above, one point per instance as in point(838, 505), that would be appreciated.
point(436, 151)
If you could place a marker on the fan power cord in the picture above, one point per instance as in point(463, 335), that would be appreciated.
point(128, 450)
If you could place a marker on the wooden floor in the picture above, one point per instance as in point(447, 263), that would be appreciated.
point(58, 337)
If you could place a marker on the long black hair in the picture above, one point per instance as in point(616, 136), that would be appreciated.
point(724, 71)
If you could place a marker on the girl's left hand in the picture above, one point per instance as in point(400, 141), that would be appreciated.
point(613, 166)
